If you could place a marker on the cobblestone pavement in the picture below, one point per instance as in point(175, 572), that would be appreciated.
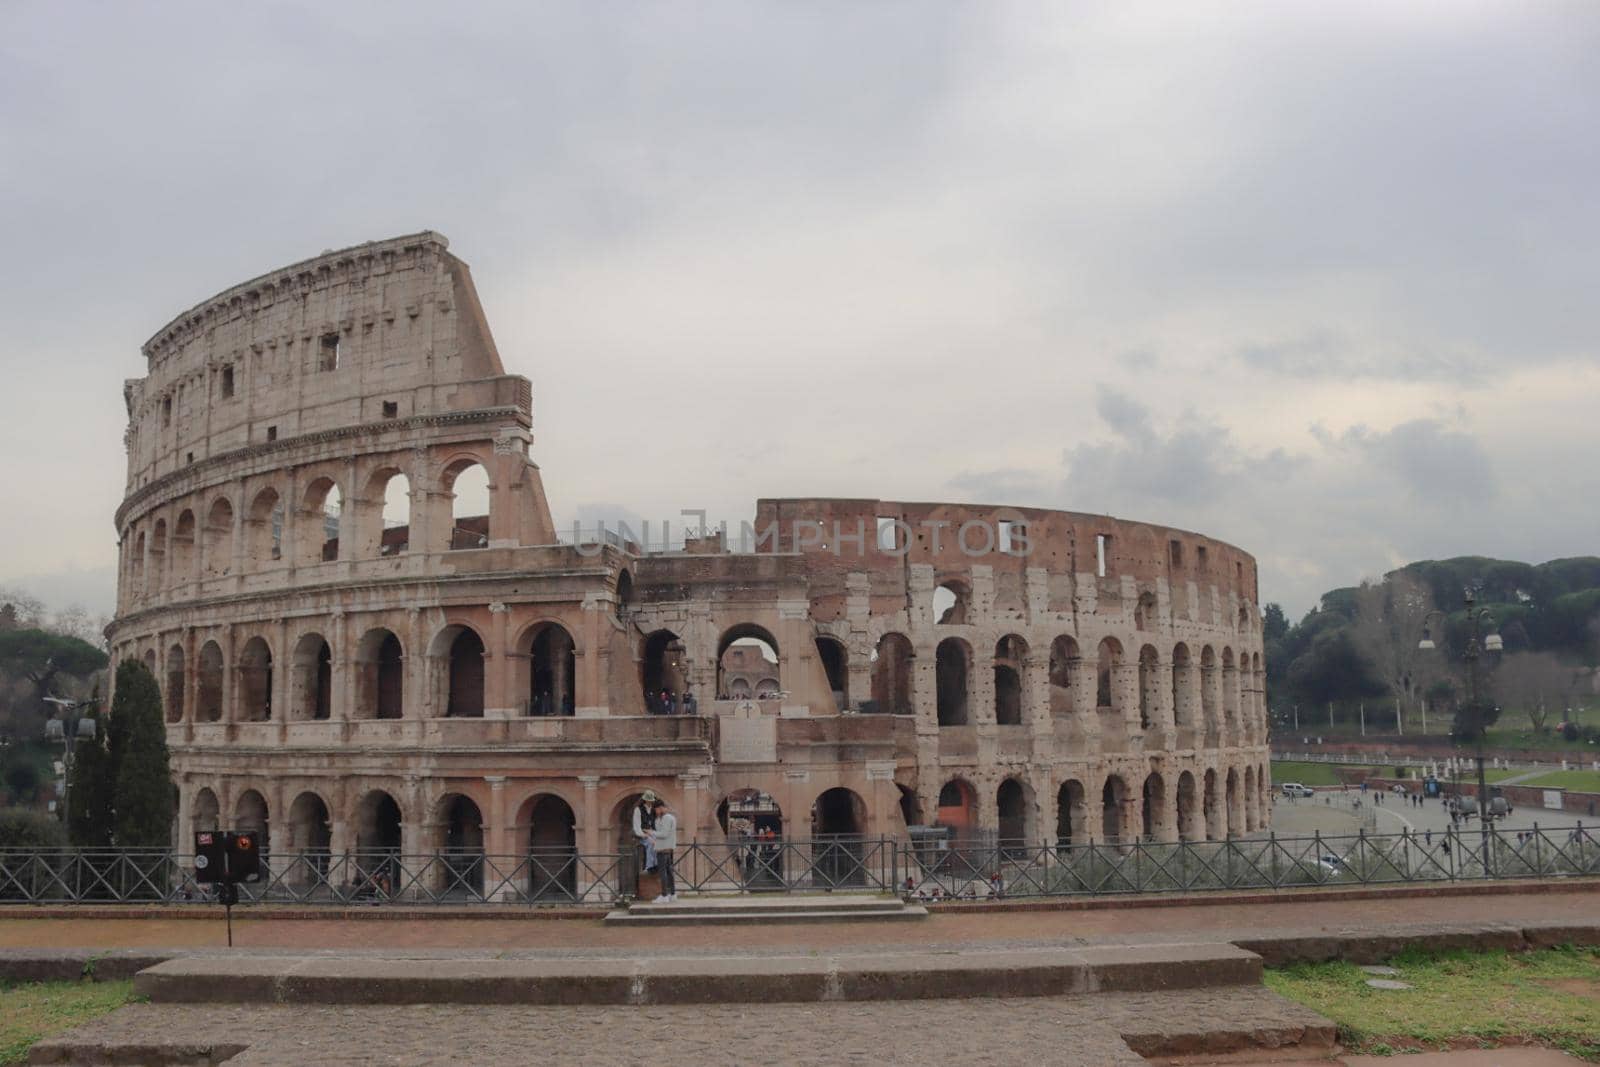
point(1070, 1031)
point(952, 928)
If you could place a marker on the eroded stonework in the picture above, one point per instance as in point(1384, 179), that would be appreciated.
point(470, 682)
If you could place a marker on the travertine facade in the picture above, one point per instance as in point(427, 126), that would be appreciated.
point(452, 681)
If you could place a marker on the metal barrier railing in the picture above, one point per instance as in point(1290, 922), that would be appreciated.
point(928, 870)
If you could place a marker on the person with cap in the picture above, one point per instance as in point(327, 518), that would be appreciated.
point(644, 824)
point(666, 842)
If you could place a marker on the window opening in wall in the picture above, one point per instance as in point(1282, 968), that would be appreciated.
point(1238, 571)
point(1175, 553)
point(391, 408)
point(396, 535)
point(887, 538)
point(1013, 535)
point(190, 458)
point(328, 357)
point(469, 507)
point(272, 433)
point(950, 604)
point(1200, 556)
point(166, 412)
point(1101, 543)
point(227, 382)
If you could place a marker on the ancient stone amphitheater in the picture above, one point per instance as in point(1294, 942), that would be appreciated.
point(351, 663)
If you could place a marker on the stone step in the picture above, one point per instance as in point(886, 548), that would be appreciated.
point(788, 909)
point(697, 980)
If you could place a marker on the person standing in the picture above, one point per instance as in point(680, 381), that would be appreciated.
point(644, 824)
point(666, 839)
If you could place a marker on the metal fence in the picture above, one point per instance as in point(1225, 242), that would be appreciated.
point(926, 870)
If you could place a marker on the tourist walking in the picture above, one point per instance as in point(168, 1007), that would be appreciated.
point(666, 839)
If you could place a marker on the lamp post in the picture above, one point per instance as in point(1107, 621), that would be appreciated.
point(67, 729)
point(1478, 644)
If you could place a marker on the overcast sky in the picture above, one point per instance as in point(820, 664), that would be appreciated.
point(1320, 280)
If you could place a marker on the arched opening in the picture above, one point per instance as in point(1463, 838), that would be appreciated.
point(958, 810)
point(951, 662)
point(1010, 653)
point(175, 683)
point(319, 522)
point(745, 653)
point(950, 603)
point(1149, 686)
point(312, 678)
point(748, 814)
point(1182, 685)
point(183, 548)
point(1208, 695)
point(1191, 826)
point(835, 665)
point(377, 829)
point(310, 836)
point(1065, 662)
point(552, 848)
point(462, 826)
point(380, 678)
point(158, 557)
point(466, 483)
point(1072, 814)
point(1154, 806)
point(219, 538)
point(1108, 662)
point(910, 806)
point(838, 819)
point(1230, 691)
point(1011, 800)
point(1235, 820)
point(250, 813)
point(209, 708)
point(264, 529)
point(464, 673)
point(1216, 821)
point(255, 681)
point(891, 675)
point(1113, 805)
point(1249, 820)
point(624, 592)
point(662, 669)
point(394, 526)
point(552, 671)
point(136, 565)
point(206, 813)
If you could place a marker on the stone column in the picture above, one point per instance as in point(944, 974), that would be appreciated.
point(1166, 713)
point(1167, 831)
point(501, 854)
point(1125, 690)
point(497, 699)
point(185, 839)
point(1084, 705)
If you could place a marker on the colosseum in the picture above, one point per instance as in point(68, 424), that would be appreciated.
point(358, 655)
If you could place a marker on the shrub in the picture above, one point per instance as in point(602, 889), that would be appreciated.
point(22, 828)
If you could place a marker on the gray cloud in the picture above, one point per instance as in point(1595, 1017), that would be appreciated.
point(1107, 258)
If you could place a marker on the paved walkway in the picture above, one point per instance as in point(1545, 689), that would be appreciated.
point(952, 928)
point(1065, 1031)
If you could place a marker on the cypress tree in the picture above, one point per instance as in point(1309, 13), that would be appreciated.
point(90, 790)
point(144, 805)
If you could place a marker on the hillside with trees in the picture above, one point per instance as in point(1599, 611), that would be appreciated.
point(1359, 647)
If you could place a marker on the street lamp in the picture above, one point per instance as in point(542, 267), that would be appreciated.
point(1478, 643)
point(67, 730)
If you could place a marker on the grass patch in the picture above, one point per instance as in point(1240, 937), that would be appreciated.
point(1550, 997)
point(1309, 773)
point(1580, 781)
point(36, 1010)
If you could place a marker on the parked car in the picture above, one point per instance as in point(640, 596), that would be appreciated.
point(1295, 789)
point(1331, 863)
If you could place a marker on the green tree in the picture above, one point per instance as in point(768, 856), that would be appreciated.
point(144, 805)
point(22, 828)
point(91, 790)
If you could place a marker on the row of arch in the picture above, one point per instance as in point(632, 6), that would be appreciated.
point(1182, 689)
point(317, 524)
point(1118, 808)
point(372, 679)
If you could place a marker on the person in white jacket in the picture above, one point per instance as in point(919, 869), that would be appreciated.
point(666, 839)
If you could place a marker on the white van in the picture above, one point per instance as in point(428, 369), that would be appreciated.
point(1295, 789)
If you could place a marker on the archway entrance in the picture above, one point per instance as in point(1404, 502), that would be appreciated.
point(553, 669)
point(378, 842)
point(310, 835)
point(663, 668)
point(958, 810)
point(463, 846)
point(1071, 815)
point(552, 848)
point(835, 664)
point(754, 825)
point(1012, 801)
point(838, 820)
